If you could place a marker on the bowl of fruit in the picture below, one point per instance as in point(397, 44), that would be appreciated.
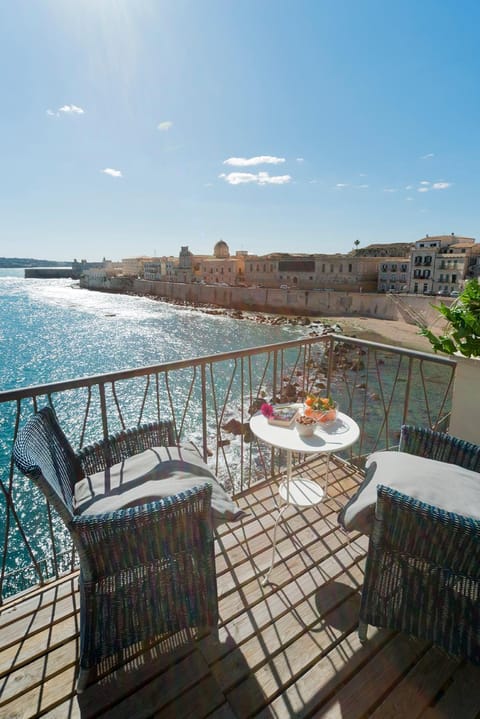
point(322, 409)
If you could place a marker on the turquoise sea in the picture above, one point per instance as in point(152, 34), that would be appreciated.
point(51, 330)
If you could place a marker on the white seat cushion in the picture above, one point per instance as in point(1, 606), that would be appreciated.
point(447, 486)
point(153, 474)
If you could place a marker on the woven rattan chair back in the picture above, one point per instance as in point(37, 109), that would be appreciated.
point(42, 452)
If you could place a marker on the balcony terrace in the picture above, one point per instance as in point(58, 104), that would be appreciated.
point(287, 649)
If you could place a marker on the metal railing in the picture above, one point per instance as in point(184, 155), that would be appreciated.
point(210, 400)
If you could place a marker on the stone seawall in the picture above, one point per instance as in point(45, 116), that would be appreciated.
point(313, 303)
point(49, 273)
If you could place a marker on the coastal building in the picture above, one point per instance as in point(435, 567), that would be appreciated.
point(313, 272)
point(474, 264)
point(222, 268)
point(393, 274)
point(160, 268)
point(133, 266)
point(79, 267)
point(439, 264)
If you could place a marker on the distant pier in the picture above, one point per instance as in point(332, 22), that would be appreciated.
point(50, 273)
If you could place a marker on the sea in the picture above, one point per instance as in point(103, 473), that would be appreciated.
point(51, 330)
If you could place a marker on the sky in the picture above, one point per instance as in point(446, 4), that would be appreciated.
point(136, 127)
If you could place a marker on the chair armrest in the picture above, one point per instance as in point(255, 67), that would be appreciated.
point(144, 534)
point(443, 447)
point(121, 445)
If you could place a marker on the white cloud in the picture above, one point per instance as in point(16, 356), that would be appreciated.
point(441, 185)
point(261, 178)
point(164, 126)
point(363, 187)
point(300, 159)
point(423, 189)
point(425, 182)
point(71, 110)
point(389, 189)
point(427, 156)
point(250, 161)
point(341, 185)
point(409, 187)
point(66, 110)
point(409, 198)
point(113, 173)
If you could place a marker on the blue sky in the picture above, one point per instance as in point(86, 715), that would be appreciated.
point(137, 126)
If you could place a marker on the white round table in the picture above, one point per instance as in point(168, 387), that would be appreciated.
point(328, 437)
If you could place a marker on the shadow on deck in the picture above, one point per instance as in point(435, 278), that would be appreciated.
point(289, 649)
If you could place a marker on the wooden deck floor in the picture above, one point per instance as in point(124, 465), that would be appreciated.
point(289, 649)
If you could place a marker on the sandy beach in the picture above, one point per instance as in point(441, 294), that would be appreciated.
point(394, 332)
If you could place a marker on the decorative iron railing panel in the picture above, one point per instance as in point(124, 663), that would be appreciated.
point(210, 400)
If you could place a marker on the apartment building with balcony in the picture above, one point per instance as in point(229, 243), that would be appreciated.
point(440, 264)
point(393, 274)
point(157, 269)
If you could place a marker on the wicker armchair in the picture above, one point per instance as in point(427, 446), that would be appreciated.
point(422, 574)
point(146, 571)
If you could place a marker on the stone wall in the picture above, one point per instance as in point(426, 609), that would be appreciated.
point(295, 302)
point(313, 303)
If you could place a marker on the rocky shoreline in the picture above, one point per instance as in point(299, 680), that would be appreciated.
point(316, 325)
point(385, 331)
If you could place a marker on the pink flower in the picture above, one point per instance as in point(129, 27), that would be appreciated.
point(266, 409)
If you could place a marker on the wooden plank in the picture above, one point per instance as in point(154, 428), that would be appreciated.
point(152, 697)
point(460, 698)
point(38, 621)
point(43, 697)
point(316, 686)
point(368, 686)
point(33, 646)
point(68, 708)
point(232, 547)
point(223, 712)
point(26, 604)
point(418, 689)
point(17, 682)
point(299, 563)
point(198, 702)
point(295, 624)
point(286, 603)
point(279, 671)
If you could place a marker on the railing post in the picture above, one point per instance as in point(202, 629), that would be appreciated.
point(203, 376)
point(407, 391)
point(331, 358)
point(103, 408)
point(275, 370)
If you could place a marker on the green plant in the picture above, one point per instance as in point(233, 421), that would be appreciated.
point(462, 333)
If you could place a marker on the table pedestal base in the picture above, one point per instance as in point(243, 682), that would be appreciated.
point(298, 492)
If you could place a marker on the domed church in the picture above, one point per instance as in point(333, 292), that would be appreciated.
point(221, 251)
